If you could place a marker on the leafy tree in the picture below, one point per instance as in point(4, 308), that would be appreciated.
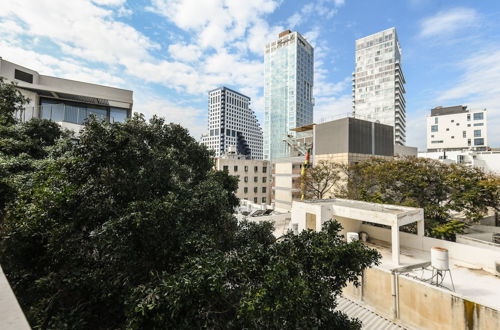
point(440, 189)
point(320, 180)
point(131, 228)
point(11, 102)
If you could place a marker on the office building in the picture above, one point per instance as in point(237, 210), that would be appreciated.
point(231, 123)
point(456, 128)
point(67, 102)
point(288, 90)
point(345, 141)
point(254, 176)
point(378, 82)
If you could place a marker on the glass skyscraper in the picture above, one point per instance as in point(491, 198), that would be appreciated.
point(288, 90)
point(378, 82)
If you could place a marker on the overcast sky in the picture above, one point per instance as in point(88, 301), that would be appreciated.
point(171, 52)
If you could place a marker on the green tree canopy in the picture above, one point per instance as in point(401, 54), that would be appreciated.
point(131, 228)
point(440, 189)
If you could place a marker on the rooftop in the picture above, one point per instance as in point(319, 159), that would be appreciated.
point(470, 281)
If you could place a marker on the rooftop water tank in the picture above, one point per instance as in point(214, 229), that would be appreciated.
point(352, 236)
point(439, 258)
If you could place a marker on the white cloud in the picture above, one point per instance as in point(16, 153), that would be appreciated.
point(217, 22)
point(448, 22)
point(64, 68)
point(331, 108)
point(109, 2)
point(184, 52)
point(479, 87)
point(187, 116)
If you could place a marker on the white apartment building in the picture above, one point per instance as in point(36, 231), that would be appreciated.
point(456, 128)
point(231, 123)
point(288, 90)
point(378, 82)
point(254, 176)
point(67, 102)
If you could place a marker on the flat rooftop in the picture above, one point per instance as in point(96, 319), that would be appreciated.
point(470, 282)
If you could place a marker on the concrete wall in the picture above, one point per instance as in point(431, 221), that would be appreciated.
point(468, 254)
point(332, 137)
point(11, 314)
point(421, 305)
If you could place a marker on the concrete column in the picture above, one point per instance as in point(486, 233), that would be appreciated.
point(395, 244)
point(421, 233)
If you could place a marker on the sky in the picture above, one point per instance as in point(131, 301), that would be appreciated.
point(172, 52)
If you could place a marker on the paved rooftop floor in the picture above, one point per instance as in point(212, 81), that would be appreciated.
point(473, 284)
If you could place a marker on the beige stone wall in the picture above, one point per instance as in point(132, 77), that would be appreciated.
point(422, 306)
point(246, 168)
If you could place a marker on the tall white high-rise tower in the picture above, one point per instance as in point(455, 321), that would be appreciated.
point(231, 123)
point(378, 82)
point(288, 90)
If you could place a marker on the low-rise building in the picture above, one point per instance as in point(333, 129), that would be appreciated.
point(345, 141)
point(254, 176)
point(488, 161)
point(457, 128)
point(67, 102)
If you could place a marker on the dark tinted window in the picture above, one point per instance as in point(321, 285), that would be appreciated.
point(24, 76)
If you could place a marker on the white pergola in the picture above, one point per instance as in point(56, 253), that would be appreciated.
point(351, 213)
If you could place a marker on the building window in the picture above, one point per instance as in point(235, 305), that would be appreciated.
point(264, 189)
point(452, 120)
point(478, 124)
point(264, 169)
point(436, 142)
point(255, 200)
point(468, 117)
point(464, 134)
point(236, 168)
point(263, 199)
point(255, 190)
point(478, 116)
point(255, 169)
point(255, 179)
point(452, 137)
point(246, 179)
point(225, 168)
point(245, 190)
point(246, 168)
point(458, 124)
point(479, 142)
point(117, 115)
point(468, 142)
point(23, 76)
point(447, 129)
point(468, 125)
point(264, 180)
point(435, 120)
point(477, 133)
point(434, 128)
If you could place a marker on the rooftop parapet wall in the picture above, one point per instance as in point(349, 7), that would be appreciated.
point(421, 305)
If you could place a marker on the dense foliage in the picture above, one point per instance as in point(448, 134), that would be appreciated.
point(444, 191)
point(130, 227)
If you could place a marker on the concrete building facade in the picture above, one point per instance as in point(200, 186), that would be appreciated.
point(254, 177)
point(67, 102)
point(288, 90)
point(378, 82)
point(345, 141)
point(231, 123)
point(457, 128)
